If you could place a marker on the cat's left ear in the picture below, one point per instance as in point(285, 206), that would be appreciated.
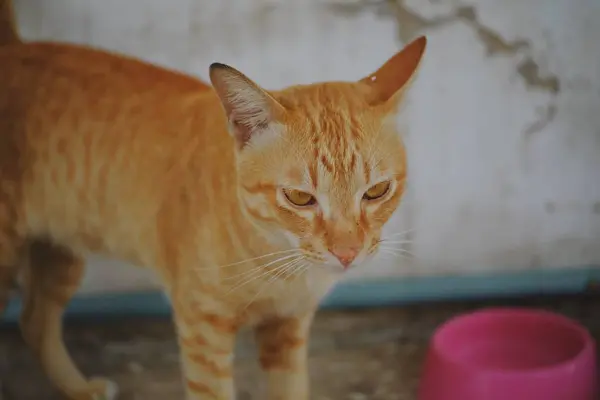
point(394, 77)
point(251, 110)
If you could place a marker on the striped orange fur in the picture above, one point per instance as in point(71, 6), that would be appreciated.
point(249, 204)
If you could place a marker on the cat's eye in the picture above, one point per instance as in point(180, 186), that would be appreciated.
point(299, 198)
point(377, 191)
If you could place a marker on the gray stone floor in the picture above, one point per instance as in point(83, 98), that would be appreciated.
point(371, 354)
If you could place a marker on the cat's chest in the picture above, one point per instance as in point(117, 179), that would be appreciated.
point(276, 306)
point(288, 300)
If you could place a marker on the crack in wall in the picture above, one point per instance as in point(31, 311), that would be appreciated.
point(492, 41)
point(546, 116)
point(410, 24)
point(528, 69)
point(353, 8)
point(530, 72)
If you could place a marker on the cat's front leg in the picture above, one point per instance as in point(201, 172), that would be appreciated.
point(283, 357)
point(206, 343)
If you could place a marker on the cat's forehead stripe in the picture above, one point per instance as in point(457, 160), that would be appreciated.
point(366, 169)
point(334, 137)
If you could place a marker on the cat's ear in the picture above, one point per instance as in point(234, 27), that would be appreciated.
point(250, 109)
point(392, 79)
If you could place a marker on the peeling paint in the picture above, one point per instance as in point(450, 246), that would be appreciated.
point(546, 116)
point(353, 8)
point(493, 42)
point(529, 70)
point(410, 24)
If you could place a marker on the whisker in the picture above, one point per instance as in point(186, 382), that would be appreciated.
point(386, 250)
point(252, 259)
point(300, 269)
point(260, 275)
point(386, 256)
point(287, 268)
point(394, 245)
point(395, 241)
point(398, 252)
point(262, 266)
point(280, 272)
point(400, 255)
point(407, 252)
point(406, 232)
point(390, 255)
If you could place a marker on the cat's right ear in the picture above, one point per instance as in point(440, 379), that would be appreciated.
point(250, 109)
point(394, 77)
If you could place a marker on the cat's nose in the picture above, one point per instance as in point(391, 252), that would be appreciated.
point(345, 254)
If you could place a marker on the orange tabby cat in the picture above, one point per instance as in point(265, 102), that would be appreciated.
point(249, 204)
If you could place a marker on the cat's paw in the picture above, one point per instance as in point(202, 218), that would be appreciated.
point(102, 389)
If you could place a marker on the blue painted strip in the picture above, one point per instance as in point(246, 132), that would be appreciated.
point(362, 294)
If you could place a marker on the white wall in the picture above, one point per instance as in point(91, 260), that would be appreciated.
point(503, 128)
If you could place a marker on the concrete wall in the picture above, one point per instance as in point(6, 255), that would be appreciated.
point(503, 127)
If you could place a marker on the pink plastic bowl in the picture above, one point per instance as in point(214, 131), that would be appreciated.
point(510, 354)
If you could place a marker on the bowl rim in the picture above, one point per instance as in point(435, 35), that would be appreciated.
point(587, 350)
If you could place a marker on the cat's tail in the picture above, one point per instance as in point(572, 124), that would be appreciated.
point(8, 28)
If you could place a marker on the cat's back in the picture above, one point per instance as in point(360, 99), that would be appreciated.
point(49, 89)
point(70, 99)
point(25, 66)
point(93, 138)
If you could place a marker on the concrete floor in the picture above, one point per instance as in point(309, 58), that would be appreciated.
point(371, 354)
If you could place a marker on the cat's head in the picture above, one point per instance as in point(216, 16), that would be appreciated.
point(321, 165)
